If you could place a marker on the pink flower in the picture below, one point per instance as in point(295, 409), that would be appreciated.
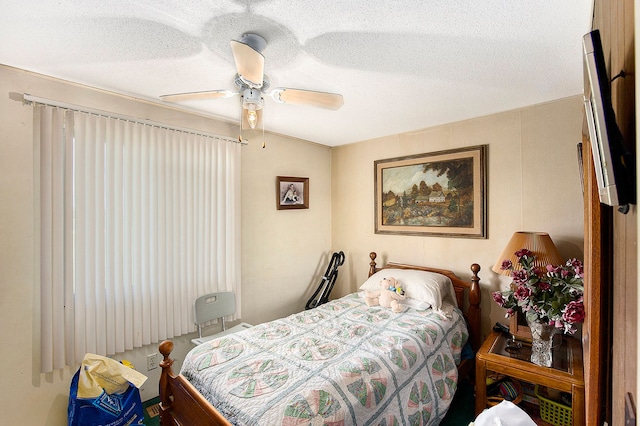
point(519, 276)
point(544, 286)
point(552, 294)
point(574, 312)
point(506, 264)
point(522, 293)
point(577, 267)
point(553, 269)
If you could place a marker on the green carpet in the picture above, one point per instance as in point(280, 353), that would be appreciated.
point(152, 412)
point(462, 409)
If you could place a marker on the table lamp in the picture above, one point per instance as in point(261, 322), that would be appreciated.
point(539, 243)
point(545, 252)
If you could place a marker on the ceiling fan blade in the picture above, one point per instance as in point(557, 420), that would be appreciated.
point(191, 96)
point(249, 63)
point(308, 97)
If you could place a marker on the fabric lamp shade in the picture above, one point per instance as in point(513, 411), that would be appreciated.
point(539, 243)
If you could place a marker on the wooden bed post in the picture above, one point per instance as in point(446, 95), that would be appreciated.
point(180, 402)
point(473, 313)
point(165, 349)
point(372, 264)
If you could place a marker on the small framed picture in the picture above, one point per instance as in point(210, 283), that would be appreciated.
point(292, 192)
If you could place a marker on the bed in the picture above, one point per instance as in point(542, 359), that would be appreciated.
point(341, 363)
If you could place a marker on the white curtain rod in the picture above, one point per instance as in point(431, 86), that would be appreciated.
point(28, 99)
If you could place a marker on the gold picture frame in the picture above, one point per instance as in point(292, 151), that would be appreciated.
point(292, 193)
point(440, 193)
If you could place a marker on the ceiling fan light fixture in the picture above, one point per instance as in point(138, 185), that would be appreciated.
point(252, 101)
point(252, 118)
point(252, 98)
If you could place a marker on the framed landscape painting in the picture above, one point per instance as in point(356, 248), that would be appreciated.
point(435, 194)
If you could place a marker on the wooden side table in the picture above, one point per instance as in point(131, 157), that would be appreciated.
point(566, 374)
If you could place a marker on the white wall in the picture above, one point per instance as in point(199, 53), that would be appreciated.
point(284, 252)
point(533, 184)
point(281, 250)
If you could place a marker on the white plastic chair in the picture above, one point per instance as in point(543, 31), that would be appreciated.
point(213, 306)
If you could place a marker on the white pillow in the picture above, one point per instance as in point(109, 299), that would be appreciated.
point(409, 302)
point(423, 286)
point(415, 304)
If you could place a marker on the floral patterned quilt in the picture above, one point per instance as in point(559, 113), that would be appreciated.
point(342, 363)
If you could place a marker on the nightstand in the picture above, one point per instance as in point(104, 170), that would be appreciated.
point(566, 374)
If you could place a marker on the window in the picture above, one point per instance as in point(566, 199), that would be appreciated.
point(136, 221)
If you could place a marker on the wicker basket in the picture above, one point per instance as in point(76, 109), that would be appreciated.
point(553, 412)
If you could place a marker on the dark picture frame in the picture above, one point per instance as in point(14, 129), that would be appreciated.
point(439, 194)
point(292, 192)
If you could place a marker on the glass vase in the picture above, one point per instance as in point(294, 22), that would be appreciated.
point(541, 342)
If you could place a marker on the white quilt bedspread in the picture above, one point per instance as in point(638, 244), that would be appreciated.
point(342, 363)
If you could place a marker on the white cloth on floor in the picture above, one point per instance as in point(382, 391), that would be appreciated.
point(504, 414)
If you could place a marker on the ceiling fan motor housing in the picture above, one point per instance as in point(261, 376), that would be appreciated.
point(252, 99)
point(255, 41)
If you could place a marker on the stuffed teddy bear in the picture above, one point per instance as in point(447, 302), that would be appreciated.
point(388, 296)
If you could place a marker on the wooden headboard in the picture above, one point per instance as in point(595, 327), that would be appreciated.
point(467, 293)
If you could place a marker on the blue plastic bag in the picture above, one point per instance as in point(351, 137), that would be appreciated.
point(105, 409)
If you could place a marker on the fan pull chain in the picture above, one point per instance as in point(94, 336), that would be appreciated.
point(240, 134)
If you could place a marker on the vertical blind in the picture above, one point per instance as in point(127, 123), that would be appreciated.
point(137, 220)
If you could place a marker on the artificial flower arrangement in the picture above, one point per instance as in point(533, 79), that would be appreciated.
point(551, 295)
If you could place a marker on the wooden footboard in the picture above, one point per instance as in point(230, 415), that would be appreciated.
point(180, 402)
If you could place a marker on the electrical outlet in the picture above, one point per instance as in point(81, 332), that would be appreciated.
point(152, 362)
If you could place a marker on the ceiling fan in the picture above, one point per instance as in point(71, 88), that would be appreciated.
point(252, 86)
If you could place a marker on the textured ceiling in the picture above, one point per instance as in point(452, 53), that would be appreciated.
point(401, 65)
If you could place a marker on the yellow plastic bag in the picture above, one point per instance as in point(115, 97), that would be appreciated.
point(98, 373)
